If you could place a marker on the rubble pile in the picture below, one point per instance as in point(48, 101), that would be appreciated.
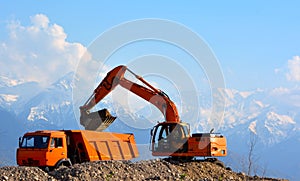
point(158, 169)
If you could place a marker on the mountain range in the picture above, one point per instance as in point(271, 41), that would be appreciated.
point(266, 119)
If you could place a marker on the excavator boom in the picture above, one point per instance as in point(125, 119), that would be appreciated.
point(101, 119)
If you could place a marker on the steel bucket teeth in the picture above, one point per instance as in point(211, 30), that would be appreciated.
point(97, 121)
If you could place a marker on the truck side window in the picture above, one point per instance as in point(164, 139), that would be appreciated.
point(56, 143)
point(59, 142)
point(52, 144)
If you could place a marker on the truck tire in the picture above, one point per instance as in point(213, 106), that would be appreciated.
point(47, 169)
point(63, 162)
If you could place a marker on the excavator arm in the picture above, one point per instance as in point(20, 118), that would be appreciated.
point(102, 119)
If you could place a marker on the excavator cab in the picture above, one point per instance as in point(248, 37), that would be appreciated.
point(168, 138)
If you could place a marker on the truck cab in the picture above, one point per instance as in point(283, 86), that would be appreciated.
point(42, 149)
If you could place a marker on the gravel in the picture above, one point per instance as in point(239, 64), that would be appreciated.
point(157, 169)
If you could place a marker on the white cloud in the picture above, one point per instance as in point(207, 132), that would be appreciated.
point(294, 69)
point(280, 91)
point(38, 52)
point(277, 70)
point(40, 20)
point(287, 96)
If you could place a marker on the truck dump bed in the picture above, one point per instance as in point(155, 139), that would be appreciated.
point(91, 146)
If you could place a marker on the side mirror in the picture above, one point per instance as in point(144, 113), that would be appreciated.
point(20, 142)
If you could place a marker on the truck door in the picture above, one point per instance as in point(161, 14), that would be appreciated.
point(58, 150)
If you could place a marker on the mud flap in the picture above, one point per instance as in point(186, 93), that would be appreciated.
point(97, 121)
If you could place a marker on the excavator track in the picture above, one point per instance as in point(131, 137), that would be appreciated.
point(178, 160)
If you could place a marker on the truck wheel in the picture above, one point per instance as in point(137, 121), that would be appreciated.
point(47, 169)
point(65, 162)
point(60, 165)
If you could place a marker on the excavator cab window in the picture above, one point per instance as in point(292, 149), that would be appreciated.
point(159, 137)
point(163, 133)
point(186, 130)
point(166, 134)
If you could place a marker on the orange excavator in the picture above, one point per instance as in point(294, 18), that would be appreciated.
point(171, 137)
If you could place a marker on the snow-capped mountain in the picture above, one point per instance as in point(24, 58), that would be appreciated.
point(15, 93)
point(25, 106)
point(273, 119)
point(52, 107)
point(8, 82)
point(260, 112)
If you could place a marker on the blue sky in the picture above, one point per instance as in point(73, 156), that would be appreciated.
point(252, 40)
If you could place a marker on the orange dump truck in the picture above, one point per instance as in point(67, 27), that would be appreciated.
point(51, 149)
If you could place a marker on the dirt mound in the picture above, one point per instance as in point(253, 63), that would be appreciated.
point(23, 173)
point(158, 169)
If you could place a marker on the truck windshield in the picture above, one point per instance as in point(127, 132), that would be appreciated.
point(35, 142)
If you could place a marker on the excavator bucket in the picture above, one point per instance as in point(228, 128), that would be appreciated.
point(97, 121)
